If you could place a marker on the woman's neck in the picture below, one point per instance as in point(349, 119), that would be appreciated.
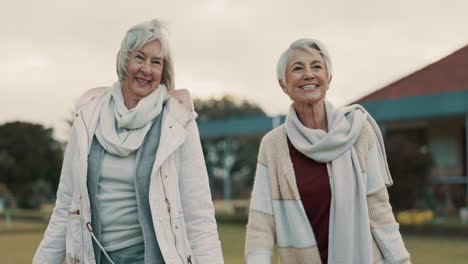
point(312, 115)
point(131, 103)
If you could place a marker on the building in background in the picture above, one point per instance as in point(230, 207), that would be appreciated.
point(430, 109)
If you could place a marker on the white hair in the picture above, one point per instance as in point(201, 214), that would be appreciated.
point(138, 36)
point(307, 45)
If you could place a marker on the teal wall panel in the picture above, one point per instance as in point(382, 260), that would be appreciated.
point(419, 107)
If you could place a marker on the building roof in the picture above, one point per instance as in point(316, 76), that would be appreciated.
point(446, 75)
point(438, 90)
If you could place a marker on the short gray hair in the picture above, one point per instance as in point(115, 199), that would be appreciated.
point(138, 36)
point(303, 44)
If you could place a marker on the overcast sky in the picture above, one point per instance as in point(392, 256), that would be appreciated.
point(54, 50)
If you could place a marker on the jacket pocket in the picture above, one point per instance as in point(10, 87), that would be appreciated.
point(74, 235)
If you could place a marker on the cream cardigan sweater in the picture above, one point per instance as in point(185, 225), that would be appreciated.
point(277, 216)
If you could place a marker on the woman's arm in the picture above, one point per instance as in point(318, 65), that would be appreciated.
point(384, 227)
point(260, 237)
point(196, 200)
point(51, 250)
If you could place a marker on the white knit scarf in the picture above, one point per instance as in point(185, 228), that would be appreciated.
point(121, 131)
point(350, 240)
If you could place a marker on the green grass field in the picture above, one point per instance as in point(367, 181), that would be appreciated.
point(18, 247)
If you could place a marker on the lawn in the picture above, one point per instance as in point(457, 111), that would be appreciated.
point(18, 247)
point(423, 250)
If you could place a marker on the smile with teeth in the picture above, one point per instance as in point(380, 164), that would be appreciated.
point(142, 80)
point(308, 86)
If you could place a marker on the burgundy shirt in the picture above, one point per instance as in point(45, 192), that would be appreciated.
point(314, 188)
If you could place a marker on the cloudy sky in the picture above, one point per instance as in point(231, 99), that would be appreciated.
point(54, 50)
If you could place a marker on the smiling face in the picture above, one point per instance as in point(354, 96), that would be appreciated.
point(144, 71)
point(306, 77)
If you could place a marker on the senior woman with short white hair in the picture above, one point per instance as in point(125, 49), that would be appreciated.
point(134, 187)
point(320, 187)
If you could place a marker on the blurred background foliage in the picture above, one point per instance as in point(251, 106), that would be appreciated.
point(410, 168)
point(30, 162)
point(245, 148)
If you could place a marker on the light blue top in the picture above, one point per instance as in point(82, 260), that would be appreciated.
point(117, 201)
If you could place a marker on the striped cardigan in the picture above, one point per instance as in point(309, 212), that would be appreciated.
point(277, 216)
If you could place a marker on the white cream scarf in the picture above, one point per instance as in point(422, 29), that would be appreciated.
point(121, 131)
point(350, 239)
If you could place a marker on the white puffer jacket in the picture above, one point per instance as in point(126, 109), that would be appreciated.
point(180, 199)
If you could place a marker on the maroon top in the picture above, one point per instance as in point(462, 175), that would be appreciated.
point(314, 188)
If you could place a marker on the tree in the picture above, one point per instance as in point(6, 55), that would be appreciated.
point(245, 148)
point(30, 162)
point(227, 106)
point(409, 167)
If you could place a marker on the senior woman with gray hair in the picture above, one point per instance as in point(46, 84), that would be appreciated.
point(134, 187)
point(320, 187)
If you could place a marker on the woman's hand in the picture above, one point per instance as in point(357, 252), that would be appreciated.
point(183, 97)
